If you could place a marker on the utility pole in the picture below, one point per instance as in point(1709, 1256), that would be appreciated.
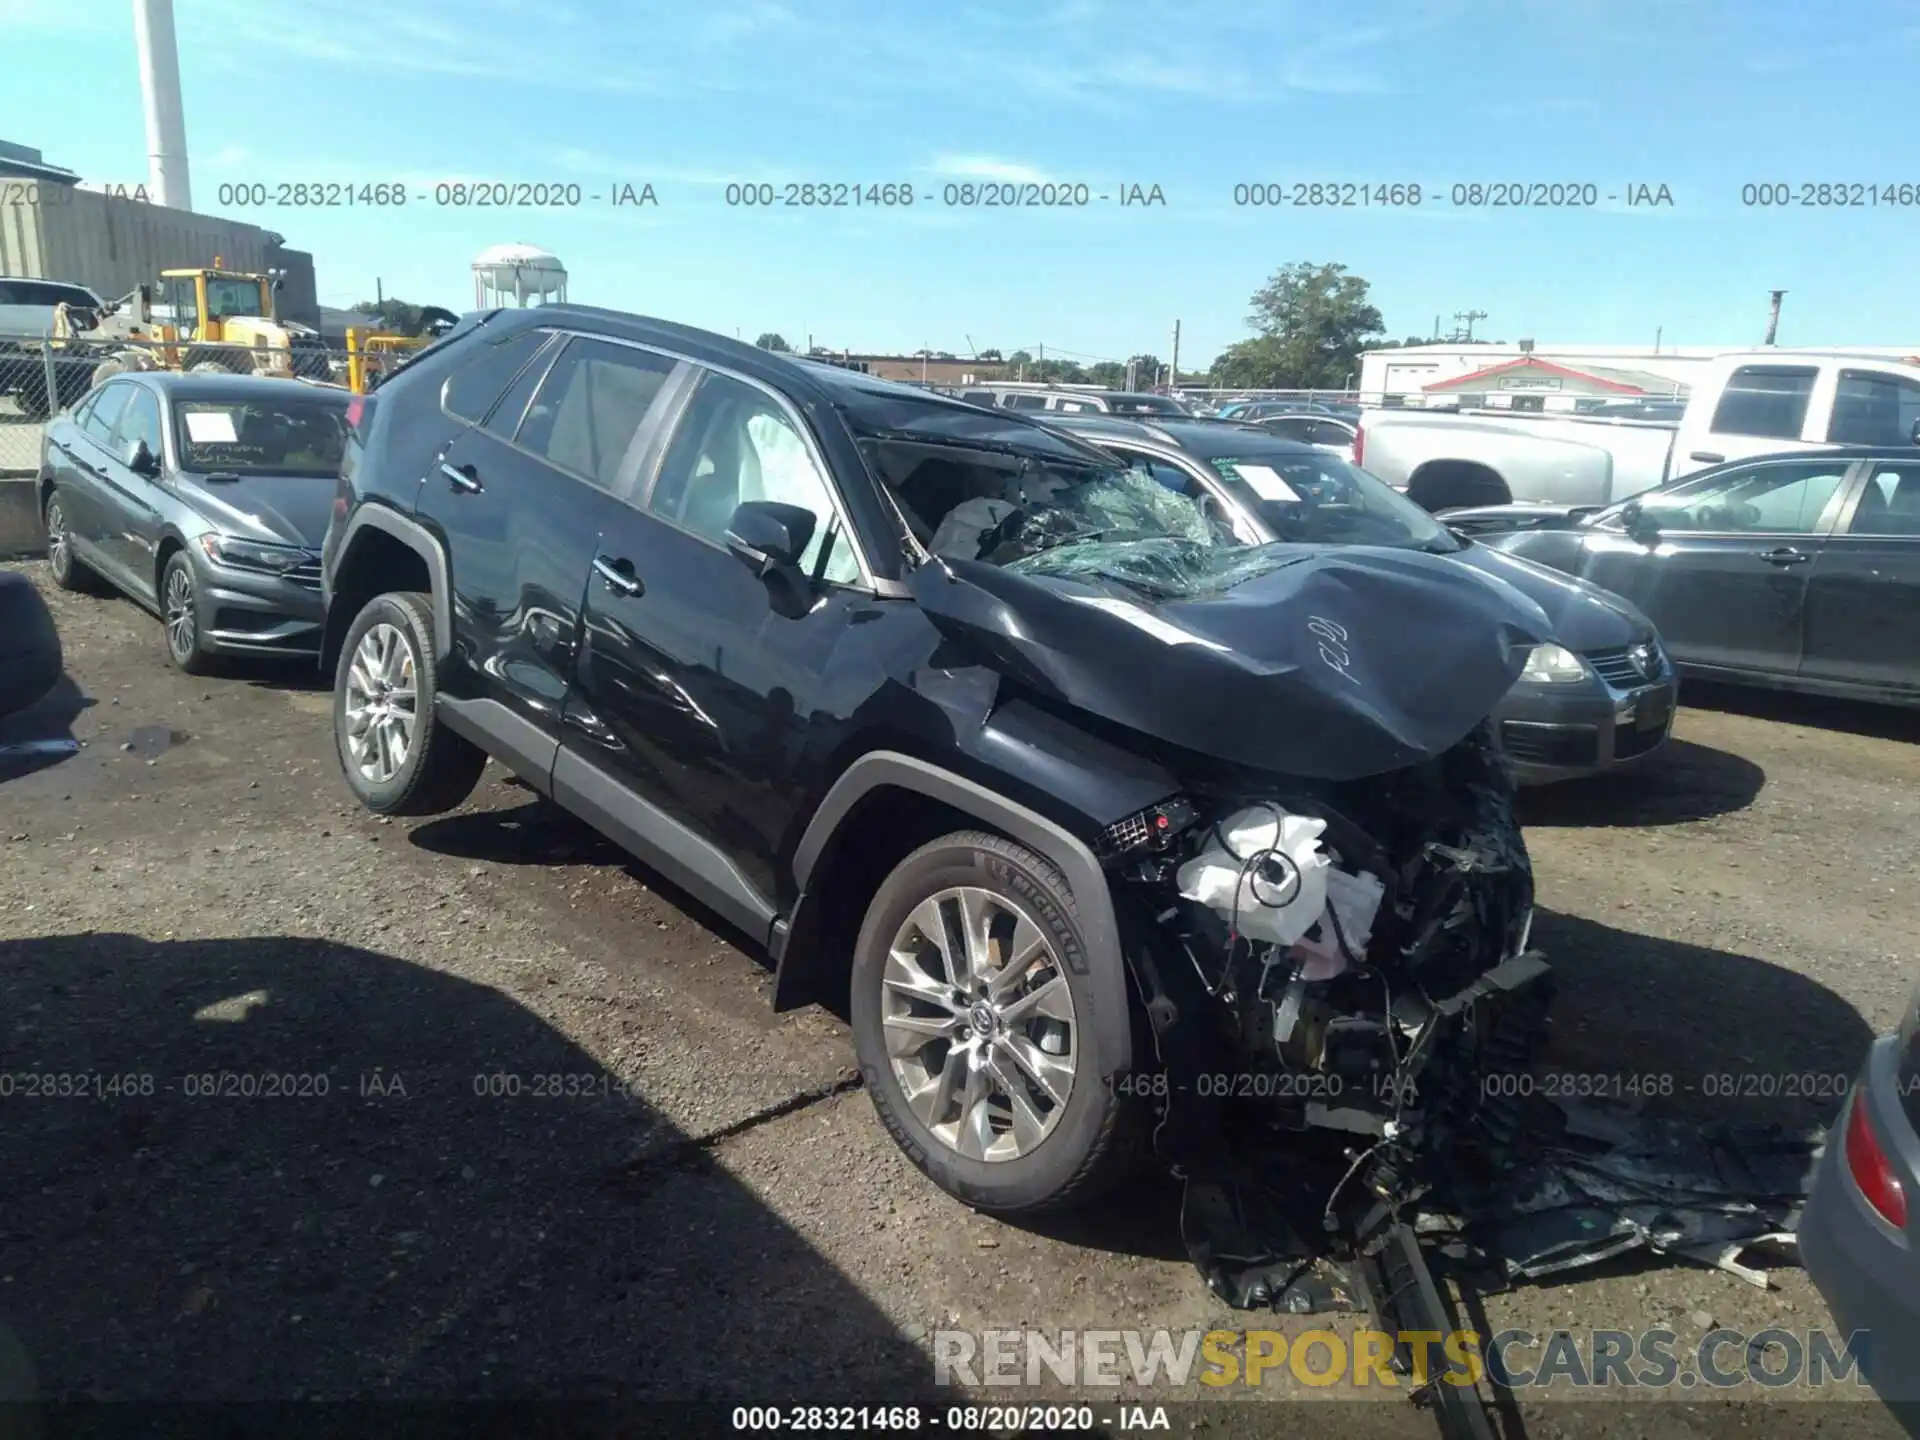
point(924, 352)
point(1173, 365)
point(1658, 331)
point(379, 294)
point(1468, 317)
point(1773, 318)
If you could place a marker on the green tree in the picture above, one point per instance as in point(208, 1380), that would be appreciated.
point(774, 341)
point(989, 355)
point(1312, 322)
point(395, 316)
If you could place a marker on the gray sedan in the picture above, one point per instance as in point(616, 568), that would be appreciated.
point(1598, 699)
point(204, 498)
point(1857, 1237)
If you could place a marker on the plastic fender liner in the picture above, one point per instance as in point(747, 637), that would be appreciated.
point(415, 537)
point(1111, 1022)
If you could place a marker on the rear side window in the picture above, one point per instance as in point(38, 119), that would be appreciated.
point(105, 413)
point(1026, 402)
point(588, 412)
point(1871, 407)
point(471, 390)
point(1767, 400)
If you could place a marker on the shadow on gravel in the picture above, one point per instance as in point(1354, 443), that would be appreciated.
point(1742, 1039)
point(1857, 717)
point(42, 734)
point(343, 1207)
point(1684, 782)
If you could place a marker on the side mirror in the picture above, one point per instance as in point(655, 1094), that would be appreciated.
point(1913, 435)
point(1640, 525)
point(142, 460)
point(767, 536)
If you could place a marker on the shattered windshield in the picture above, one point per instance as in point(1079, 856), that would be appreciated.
point(1318, 498)
point(995, 490)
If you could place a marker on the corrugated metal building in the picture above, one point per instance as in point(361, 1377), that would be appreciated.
point(51, 228)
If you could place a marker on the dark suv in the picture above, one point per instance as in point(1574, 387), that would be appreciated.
point(1080, 807)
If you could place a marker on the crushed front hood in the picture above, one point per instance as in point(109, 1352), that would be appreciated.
point(1340, 663)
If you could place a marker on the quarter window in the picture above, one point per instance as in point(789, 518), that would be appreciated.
point(587, 415)
point(1872, 407)
point(1766, 400)
point(470, 390)
point(736, 444)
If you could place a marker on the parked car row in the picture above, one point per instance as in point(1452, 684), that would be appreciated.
point(1745, 405)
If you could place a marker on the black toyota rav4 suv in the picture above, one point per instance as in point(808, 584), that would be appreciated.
point(1086, 812)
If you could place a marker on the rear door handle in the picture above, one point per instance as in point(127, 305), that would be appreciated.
point(462, 478)
point(1785, 555)
point(619, 575)
point(1707, 457)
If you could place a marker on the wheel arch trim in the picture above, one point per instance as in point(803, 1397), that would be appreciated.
point(417, 538)
point(1110, 1021)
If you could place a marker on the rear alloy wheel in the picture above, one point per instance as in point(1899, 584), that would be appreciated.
point(70, 572)
point(180, 610)
point(972, 1033)
point(396, 755)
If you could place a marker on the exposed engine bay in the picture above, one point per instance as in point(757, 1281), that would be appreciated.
point(1342, 995)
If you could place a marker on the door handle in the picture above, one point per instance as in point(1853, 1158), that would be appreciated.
point(619, 576)
point(1785, 555)
point(462, 478)
point(1706, 457)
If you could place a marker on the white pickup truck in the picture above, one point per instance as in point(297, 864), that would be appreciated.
point(1748, 403)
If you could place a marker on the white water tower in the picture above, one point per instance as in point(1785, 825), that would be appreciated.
point(517, 276)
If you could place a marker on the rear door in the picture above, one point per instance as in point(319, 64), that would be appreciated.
point(521, 498)
point(1863, 595)
point(1762, 409)
point(699, 683)
point(1726, 580)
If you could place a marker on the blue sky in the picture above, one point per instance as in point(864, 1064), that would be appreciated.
point(1702, 96)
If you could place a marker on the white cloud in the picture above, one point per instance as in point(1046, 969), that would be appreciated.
point(987, 167)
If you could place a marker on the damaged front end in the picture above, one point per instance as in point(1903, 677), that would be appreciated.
point(1331, 974)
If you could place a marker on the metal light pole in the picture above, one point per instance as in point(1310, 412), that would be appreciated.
point(1773, 317)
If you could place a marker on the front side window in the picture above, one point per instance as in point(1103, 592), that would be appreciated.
point(1026, 402)
point(588, 413)
point(140, 422)
point(1890, 505)
point(1873, 407)
point(1787, 498)
point(106, 411)
point(1765, 400)
point(261, 437)
point(736, 444)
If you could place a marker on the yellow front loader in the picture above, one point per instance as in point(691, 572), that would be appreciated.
point(220, 319)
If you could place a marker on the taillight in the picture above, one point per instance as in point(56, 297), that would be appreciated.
point(1870, 1168)
point(359, 411)
point(1359, 446)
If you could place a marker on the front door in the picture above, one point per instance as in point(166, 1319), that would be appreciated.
point(1863, 597)
point(130, 529)
point(80, 472)
point(1725, 579)
point(522, 498)
point(699, 682)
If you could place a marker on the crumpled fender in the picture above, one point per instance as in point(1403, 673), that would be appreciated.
point(1339, 664)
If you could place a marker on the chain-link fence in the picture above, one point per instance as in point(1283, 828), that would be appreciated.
point(41, 376)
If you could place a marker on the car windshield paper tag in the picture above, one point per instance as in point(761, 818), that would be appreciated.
point(1266, 483)
point(1149, 622)
point(211, 427)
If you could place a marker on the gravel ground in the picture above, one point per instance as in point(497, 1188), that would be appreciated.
point(706, 1207)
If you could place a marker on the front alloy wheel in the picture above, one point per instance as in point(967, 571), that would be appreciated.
point(382, 703)
point(180, 611)
point(979, 1023)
